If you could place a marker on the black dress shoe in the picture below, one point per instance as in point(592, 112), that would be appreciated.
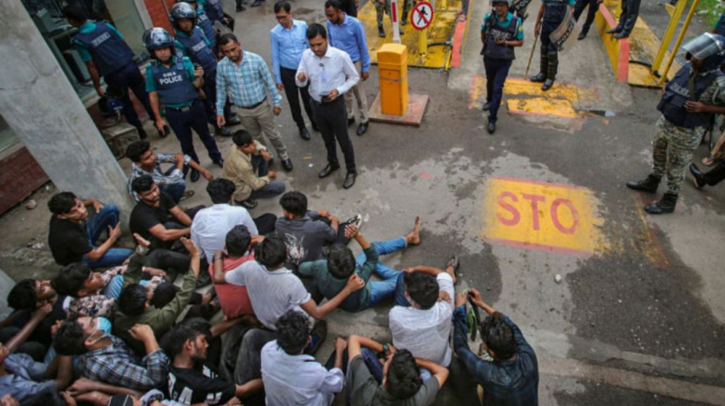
point(223, 131)
point(362, 129)
point(287, 165)
point(194, 175)
point(581, 36)
point(621, 35)
point(240, 9)
point(328, 170)
point(349, 180)
point(256, 3)
point(232, 121)
point(350, 121)
point(486, 106)
point(491, 127)
point(219, 162)
point(697, 176)
point(615, 30)
point(315, 127)
point(304, 134)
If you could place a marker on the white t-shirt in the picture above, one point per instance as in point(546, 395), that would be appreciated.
point(297, 379)
point(426, 333)
point(211, 225)
point(272, 293)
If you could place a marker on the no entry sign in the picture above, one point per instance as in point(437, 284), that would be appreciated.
point(422, 16)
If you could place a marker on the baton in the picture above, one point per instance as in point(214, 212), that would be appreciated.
point(531, 56)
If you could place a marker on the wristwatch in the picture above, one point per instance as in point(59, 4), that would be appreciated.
point(386, 348)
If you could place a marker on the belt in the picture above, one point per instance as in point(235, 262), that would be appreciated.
point(254, 106)
point(183, 109)
point(326, 103)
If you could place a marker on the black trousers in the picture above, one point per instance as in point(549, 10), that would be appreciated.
point(331, 118)
point(591, 13)
point(630, 11)
point(290, 90)
point(716, 174)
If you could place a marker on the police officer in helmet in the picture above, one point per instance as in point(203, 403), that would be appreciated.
point(551, 15)
point(190, 41)
point(173, 82)
point(501, 33)
point(688, 102)
point(203, 21)
point(107, 55)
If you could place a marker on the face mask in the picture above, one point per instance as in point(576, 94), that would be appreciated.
point(105, 326)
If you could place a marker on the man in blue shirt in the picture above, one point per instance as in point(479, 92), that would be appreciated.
point(106, 54)
point(509, 370)
point(174, 82)
point(289, 40)
point(347, 34)
point(191, 41)
point(551, 15)
point(500, 33)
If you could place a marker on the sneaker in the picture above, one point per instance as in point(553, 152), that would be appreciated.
point(247, 204)
point(356, 220)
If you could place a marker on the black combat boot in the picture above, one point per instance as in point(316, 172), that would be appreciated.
point(553, 68)
point(544, 67)
point(405, 18)
point(648, 185)
point(665, 205)
point(381, 31)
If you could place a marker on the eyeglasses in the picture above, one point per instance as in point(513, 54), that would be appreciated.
point(281, 17)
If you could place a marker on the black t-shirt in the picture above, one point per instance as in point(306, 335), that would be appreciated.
point(68, 241)
point(145, 217)
point(192, 386)
point(42, 333)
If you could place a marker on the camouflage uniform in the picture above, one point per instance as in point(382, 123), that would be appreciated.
point(673, 146)
point(385, 8)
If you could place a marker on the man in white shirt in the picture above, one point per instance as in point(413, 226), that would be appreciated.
point(290, 377)
point(424, 327)
point(330, 73)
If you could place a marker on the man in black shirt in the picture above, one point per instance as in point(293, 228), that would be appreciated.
point(191, 380)
point(73, 235)
point(157, 217)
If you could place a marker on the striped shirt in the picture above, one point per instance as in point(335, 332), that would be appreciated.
point(161, 178)
point(245, 83)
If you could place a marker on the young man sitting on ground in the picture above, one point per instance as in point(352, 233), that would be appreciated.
point(292, 377)
point(247, 165)
point(106, 358)
point(421, 319)
point(330, 275)
point(72, 233)
point(191, 379)
point(234, 300)
point(273, 291)
point(306, 232)
point(134, 304)
point(157, 217)
point(146, 162)
point(401, 381)
point(512, 379)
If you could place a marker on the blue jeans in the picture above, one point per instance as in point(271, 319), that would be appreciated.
point(176, 190)
point(271, 189)
point(384, 289)
point(95, 226)
point(400, 299)
point(113, 289)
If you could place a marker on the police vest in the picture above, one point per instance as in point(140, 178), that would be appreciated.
point(215, 11)
point(197, 49)
point(109, 51)
point(173, 84)
point(677, 93)
point(555, 11)
point(492, 50)
point(203, 21)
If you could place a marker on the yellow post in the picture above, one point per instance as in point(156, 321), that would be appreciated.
point(393, 73)
point(683, 31)
point(443, 5)
point(423, 42)
point(667, 38)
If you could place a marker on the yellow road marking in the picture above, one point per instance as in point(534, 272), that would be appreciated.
point(542, 216)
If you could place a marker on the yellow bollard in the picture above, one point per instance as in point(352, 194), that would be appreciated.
point(423, 42)
point(443, 5)
point(683, 31)
point(393, 73)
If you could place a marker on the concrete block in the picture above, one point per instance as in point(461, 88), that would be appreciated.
point(416, 109)
point(119, 137)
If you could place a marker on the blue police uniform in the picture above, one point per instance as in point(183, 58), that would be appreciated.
point(184, 111)
point(497, 59)
point(196, 47)
point(206, 25)
point(554, 14)
point(214, 10)
point(101, 43)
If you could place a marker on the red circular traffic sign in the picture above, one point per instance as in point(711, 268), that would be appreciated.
point(422, 15)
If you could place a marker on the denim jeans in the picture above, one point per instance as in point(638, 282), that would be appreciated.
point(95, 226)
point(271, 189)
point(113, 289)
point(384, 289)
point(400, 299)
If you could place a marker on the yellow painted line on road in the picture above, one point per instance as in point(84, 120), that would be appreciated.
point(542, 216)
point(523, 96)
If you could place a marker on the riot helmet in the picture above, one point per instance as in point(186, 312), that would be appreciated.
point(508, 2)
point(181, 11)
point(157, 38)
point(709, 48)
